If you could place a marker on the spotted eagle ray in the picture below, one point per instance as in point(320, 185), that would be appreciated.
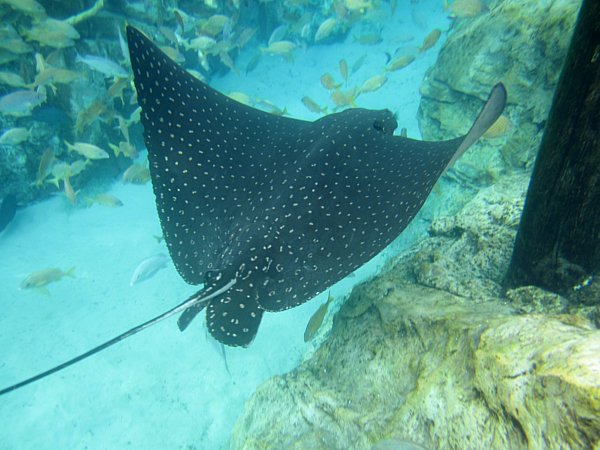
point(267, 211)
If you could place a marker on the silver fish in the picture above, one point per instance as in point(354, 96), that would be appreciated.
point(220, 349)
point(123, 45)
point(20, 103)
point(148, 267)
point(105, 66)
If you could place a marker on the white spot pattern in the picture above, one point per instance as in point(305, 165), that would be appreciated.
point(285, 206)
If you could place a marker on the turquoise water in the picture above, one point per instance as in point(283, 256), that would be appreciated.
point(161, 388)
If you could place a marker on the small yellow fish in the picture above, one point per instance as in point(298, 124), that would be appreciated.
point(368, 38)
point(325, 29)
point(240, 97)
point(399, 63)
point(136, 174)
point(59, 171)
point(313, 106)
point(88, 115)
point(344, 69)
point(123, 127)
point(69, 192)
point(498, 129)
point(373, 83)
point(358, 5)
point(180, 17)
point(269, 107)
point(51, 76)
point(328, 82)
point(253, 62)
point(228, 61)
point(347, 98)
point(430, 40)
point(124, 148)
point(90, 151)
point(116, 89)
point(12, 79)
point(465, 8)
point(14, 136)
point(203, 60)
point(282, 48)
point(44, 277)
point(11, 41)
point(212, 4)
point(168, 33)
point(135, 115)
point(316, 320)
point(28, 7)
point(44, 166)
point(173, 53)
point(203, 43)
point(52, 33)
point(358, 63)
point(214, 24)
point(245, 36)
point(76, 167)
point(108, 200)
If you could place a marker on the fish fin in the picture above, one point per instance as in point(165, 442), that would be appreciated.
point(330, 299)
point(116, 150)
point(54, 181)
point(70, 272)
point(43, 290)
point(225, 358)
point(70, 147)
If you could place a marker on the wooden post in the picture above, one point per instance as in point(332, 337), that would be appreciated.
point(558, 241)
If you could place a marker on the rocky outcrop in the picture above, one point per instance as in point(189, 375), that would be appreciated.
point(523, 44)
point(414, 363)
point(407, 360)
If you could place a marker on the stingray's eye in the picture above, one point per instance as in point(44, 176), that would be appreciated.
point(378, 125)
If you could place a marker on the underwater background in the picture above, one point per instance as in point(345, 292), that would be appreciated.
point(84, 259)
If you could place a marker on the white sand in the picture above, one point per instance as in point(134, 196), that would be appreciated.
point(161, 389)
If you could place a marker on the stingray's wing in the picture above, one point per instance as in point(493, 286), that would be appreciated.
point(209, 157)
point(359, 188)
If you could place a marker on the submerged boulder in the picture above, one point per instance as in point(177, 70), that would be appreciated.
point(523, 44)
point(426, 366)
point(408, 361)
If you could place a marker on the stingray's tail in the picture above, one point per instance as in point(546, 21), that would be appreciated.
point(199, 298)
point(486, 118)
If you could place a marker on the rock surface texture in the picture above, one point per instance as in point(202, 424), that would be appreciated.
point(523, 44)
point(408, 360)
